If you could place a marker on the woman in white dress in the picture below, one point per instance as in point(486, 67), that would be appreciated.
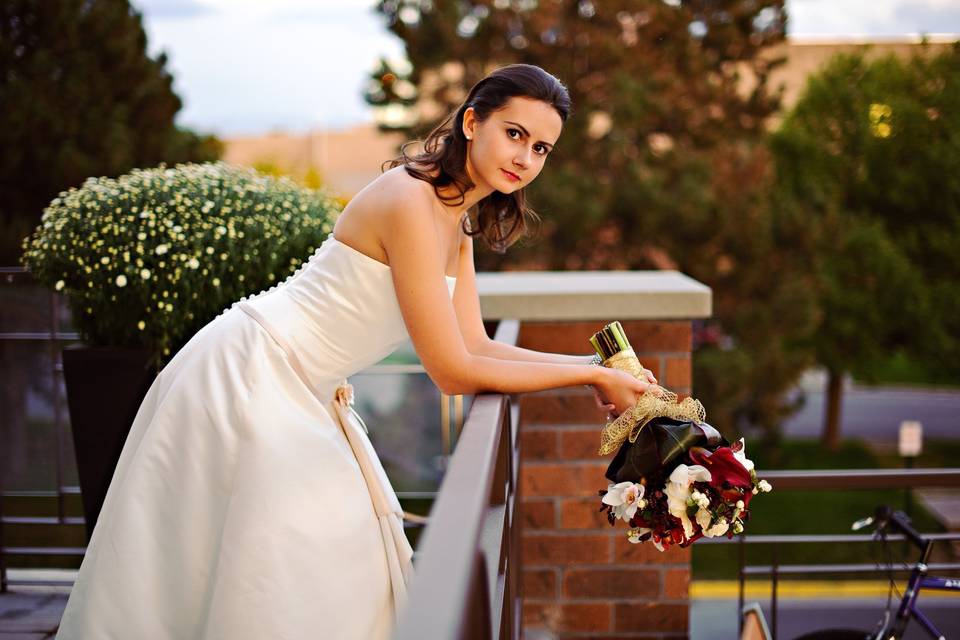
point(248, 502)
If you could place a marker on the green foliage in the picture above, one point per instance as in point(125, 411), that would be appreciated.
point(662, 164)
point(149, 258)
point(80, 98)
point(871, 155)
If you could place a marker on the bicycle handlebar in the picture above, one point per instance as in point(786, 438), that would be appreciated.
point(886, 517)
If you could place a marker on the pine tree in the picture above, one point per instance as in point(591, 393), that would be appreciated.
point(80, 98)
point(870, 153)
point(663, 163)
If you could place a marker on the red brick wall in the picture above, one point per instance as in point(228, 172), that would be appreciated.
point(581, 577)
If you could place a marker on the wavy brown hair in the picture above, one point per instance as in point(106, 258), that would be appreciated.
point(500, 217)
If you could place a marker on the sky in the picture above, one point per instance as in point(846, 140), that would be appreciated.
point(248, 67)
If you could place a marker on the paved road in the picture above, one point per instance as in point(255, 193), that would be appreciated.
point(716, 619)
point(876, 412)
point(33, 614)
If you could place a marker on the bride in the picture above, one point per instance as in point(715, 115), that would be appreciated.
point(248, 502)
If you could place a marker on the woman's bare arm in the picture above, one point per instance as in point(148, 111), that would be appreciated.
point(410, 239)
point(466, 304)
point(503, 351)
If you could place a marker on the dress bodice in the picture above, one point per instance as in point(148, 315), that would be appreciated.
point(338, 312)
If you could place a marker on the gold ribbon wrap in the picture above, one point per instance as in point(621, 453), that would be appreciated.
point(656, 402)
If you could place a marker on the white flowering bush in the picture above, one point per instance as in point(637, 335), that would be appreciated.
point(147, 259)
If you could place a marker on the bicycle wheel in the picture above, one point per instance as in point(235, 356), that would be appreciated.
point(837, 634)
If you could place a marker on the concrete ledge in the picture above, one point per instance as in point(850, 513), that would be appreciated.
point(591, 295)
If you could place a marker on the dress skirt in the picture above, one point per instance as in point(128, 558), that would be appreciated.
point(247, 504)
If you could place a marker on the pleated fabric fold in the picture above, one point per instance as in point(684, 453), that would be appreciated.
point(397, 548)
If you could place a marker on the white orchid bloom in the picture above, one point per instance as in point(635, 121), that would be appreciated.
point(625, 498)
point(718, 529)
point(704, 518)
point(741, 456)
point(633, 535)
point(678, 491)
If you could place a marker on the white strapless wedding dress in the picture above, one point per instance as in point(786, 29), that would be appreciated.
point(248, 502)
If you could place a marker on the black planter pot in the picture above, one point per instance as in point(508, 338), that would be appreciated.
point(105, 386)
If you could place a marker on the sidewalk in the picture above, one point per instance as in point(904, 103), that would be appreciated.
point(33, 612)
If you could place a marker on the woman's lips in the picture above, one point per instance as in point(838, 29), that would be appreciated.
point(511, 176)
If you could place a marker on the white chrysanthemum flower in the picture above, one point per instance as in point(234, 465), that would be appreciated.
point(141, 325)
point(216, 282)
point(145, 274)
point(59, 285)
point(193, 263)
point(161, 249)
point(105, 260)
point(121, 280)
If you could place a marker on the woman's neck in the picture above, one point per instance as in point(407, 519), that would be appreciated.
point(452, 204)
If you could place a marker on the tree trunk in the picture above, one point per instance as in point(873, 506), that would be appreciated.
point(831, 424)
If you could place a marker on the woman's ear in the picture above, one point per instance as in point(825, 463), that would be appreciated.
point(469, 123)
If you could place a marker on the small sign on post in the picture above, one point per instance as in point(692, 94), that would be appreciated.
point(910, 443)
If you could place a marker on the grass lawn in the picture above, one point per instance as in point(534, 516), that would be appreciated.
point(902, 369)
point(821, 511)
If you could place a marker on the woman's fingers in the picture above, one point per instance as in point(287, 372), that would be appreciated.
point(601, 403)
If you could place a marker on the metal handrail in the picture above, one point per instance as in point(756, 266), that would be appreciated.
point(832, 479)
point(865, 478)
point(466, 582)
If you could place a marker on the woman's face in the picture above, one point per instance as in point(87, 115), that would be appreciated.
point(507, 151)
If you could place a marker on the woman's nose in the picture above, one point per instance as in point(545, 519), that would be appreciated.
point(522, 159)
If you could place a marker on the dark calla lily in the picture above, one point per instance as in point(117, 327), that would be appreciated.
point(725, 470)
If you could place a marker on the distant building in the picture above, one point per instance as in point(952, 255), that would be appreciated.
point(346, 160)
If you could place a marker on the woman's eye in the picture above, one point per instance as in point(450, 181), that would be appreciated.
point(543, 150)
point(510, 132)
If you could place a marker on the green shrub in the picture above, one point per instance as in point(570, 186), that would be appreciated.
point(147, 259)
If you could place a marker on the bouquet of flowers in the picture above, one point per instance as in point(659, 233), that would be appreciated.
point(674, 478)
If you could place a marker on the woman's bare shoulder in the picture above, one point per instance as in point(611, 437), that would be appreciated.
point(398, 197)
point(374, 210)
point(396, 185)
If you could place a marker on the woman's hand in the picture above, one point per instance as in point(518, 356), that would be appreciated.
point(609, 407)
point(616, 391)
point(602, 404)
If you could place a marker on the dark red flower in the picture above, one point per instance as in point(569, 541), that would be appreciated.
point(725, 470)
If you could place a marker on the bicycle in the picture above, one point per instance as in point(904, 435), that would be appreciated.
point(889, 628)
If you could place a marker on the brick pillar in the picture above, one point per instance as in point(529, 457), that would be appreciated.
point(581, 577)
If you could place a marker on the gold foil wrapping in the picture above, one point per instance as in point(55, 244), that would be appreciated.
point(656, 402)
